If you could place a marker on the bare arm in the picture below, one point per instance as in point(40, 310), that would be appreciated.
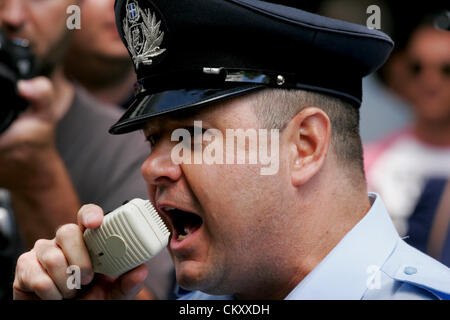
point(49, 203)
point(31, 169)
point(41, 272)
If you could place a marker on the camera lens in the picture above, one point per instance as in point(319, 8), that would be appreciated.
point(9, 97)
point(16, 62)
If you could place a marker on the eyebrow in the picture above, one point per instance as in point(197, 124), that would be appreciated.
point(178, 119)
point(186, 114)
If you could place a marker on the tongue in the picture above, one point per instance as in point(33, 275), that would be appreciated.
point(186, 223)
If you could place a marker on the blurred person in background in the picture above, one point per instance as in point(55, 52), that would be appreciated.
point(97, 58)
point(428, 227)
point(310, 231)
point(398, 165)
point(58, 155)
point(382, 110)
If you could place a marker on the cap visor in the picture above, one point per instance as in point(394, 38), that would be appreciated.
point(146, 107)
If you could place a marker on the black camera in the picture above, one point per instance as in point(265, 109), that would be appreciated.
point(16, 62)
point(442, 21)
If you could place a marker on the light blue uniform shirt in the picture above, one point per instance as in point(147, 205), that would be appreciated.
point(370, 262)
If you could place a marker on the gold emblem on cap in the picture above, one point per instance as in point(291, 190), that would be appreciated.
point(143, 34)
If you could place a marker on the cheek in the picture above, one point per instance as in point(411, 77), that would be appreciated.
point(446, 91)
point(219, 192)
point(94, 17)
point(151, 191)
point(53, 15)
point(236, 198)
point(49, 25)
point(224, 184)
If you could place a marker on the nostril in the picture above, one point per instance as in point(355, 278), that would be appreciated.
point(12, 16)
point(11, 28)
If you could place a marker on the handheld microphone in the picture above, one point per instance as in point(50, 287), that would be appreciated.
point(128, 236)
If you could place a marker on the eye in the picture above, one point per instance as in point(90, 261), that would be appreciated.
point(152, 139)
point(445, 69)
point(196, 135)
point(193, 131)
point(415, 68)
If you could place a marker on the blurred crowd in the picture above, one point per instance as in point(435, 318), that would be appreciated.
point(60, 156)
point(405, 119)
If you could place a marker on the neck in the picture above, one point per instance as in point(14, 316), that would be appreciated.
point(116, 93)
point(435, 134)
point(63, 92)
point(109, 80)
point(331, 214)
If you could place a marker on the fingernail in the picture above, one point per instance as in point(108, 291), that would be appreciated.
point(88, 218)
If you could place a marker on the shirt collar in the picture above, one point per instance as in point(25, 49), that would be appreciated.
point(346, 271)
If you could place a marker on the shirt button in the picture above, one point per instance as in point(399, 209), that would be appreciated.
point(410, 270)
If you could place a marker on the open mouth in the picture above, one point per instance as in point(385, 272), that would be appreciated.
point(184, 223)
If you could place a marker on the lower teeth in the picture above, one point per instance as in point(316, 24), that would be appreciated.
point(188, 230)
point(187, 233)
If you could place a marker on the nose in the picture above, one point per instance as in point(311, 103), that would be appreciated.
point(431, 78)
point(12, 15)
point(159, 169)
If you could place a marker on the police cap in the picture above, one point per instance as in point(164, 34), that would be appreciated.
point(191, 53)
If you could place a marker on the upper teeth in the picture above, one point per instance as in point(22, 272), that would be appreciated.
point(169, 208)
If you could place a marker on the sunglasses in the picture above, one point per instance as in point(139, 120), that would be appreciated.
point(416, 68)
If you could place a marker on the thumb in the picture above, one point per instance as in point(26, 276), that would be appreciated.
point(127, 286)
point(38, 91)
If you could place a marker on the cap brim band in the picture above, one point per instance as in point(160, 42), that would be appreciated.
point(149, 106)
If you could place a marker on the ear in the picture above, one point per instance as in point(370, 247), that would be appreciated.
point(309, 134)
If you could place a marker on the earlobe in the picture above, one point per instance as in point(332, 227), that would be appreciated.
point(310, 134)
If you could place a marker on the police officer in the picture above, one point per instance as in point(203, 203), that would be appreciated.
point(308, 230)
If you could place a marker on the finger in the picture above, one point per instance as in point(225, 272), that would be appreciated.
point(38, 91)
point(90, 216)
point(52, 259)
point(129, 284)
point(31, 278)
point(21, 295)
point(70, 239)
point(145, 294)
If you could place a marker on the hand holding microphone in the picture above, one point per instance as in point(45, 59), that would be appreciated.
point(112, 245)
point(128, 236)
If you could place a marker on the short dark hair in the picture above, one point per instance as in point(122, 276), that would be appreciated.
point(276, 107)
